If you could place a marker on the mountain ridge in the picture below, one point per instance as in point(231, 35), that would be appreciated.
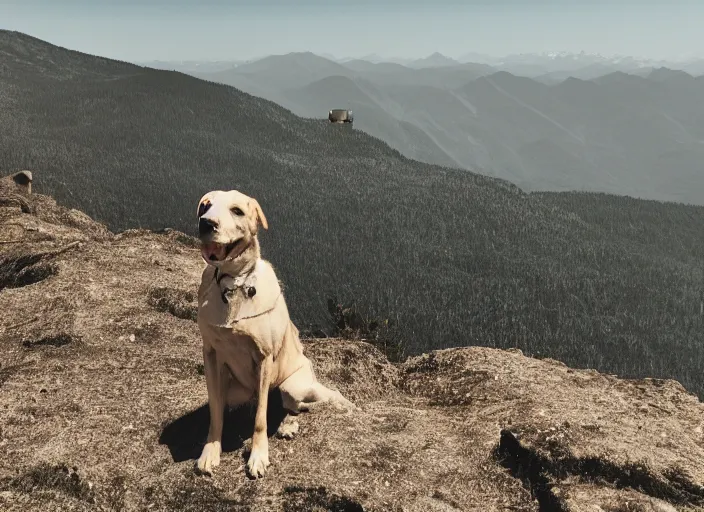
point(619, 149)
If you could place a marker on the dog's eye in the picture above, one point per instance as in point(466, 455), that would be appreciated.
point(203, 207)
point(237, 211)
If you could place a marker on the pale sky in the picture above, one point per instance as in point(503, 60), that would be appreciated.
point(144, 30)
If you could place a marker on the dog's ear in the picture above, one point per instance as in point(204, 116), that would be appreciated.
point(258, 213)
point(203, 205)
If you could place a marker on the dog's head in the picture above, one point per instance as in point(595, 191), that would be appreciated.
point(227, 224)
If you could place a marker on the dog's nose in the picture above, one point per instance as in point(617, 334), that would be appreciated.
point(206, 226)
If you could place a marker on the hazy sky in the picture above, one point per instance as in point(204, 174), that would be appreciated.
point(230, 29)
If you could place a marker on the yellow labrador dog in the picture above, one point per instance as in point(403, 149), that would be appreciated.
point(250, 345)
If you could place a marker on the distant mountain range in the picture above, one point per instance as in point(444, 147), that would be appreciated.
point(525, 64)
point(191, 66)
point(580, 123)
point(548, 66)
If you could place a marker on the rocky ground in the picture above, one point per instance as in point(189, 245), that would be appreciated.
point(103, 403)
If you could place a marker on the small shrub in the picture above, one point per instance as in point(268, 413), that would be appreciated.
point(349, 323)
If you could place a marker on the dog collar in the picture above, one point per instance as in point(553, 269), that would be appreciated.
point(245, 283)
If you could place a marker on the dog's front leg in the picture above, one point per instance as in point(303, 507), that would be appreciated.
point(210, 457)
point(259, 457)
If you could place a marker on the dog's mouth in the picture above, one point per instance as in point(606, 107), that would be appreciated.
point(214, 251)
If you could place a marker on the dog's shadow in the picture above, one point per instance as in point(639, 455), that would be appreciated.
point(186, 435)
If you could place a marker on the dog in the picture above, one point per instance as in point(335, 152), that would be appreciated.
point(250, 345)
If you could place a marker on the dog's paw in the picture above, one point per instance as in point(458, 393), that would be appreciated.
point(288, 429)
point(299, 407)
point(341, 403)
point(257, 463)
point(209, 458)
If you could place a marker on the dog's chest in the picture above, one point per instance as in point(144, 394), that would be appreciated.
point(228, 303)
point(226, 310)
point(240, 354)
